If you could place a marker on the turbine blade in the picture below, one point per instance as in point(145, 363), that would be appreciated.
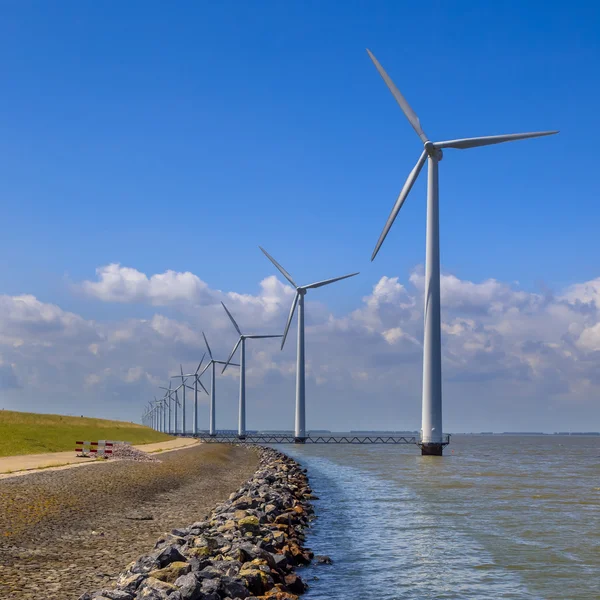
point(289, 321)
point(201, 361)
point(487, 140)
point(260, 337)
point(400, 99)
point(319, 284)
point(202, 385)
point(231, 355)
point(205, 368)
point(207, 346)
point(181, 367)
point(412, 177)
point(222, 362)
point(279, 267)
point(232, 319)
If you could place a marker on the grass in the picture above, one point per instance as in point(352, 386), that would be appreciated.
point(32, 433)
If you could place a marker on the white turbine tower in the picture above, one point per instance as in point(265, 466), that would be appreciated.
point(300, 420)
point(211, 363)
point(242, 340)
point(432, 441)
point(196, 382)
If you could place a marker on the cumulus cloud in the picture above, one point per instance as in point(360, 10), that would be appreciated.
point(506, 352)
point(124, 284)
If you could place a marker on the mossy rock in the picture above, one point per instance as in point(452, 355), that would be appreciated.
point(171, 572)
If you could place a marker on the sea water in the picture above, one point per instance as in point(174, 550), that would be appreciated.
point(497, 517)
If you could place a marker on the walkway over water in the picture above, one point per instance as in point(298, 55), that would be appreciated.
point(275, 438)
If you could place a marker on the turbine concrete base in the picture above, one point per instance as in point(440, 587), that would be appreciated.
point(299, 440)
point(432, 449)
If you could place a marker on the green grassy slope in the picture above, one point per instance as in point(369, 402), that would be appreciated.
point(32, 433)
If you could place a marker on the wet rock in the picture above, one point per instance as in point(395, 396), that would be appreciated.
point(323, 560)
point(295, 584)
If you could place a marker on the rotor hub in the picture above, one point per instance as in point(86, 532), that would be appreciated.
point(433, 151)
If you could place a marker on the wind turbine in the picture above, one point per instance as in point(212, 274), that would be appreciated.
point(181, 385)
point(242, 341)
point(211, 363)
point(168, 399)
point(196, 382)
point(300, 421)
point(431, 427)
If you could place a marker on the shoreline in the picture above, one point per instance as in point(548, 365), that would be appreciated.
point(248, 547)
point(63, 533)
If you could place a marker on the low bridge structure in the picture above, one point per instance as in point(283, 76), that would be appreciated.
point(283, 438)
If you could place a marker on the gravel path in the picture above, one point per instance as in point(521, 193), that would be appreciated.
point(65, 532)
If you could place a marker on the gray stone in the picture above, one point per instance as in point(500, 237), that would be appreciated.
point(233, 589)
point(189, 586)
point(168, 555)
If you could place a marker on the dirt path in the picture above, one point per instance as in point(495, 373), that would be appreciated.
point(15, 464)
point(69, 531)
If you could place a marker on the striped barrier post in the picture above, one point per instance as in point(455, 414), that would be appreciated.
point(100, 448)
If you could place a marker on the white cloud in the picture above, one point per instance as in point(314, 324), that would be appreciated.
point(124, 284)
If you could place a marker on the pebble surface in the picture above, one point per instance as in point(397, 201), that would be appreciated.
point(65, 532)
point(247, 548)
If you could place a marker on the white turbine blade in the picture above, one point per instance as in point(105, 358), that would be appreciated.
point(231, 355)
point(202, 386)
point(412, 177)
point(289, 321)
point(260, 337)
point(279, 267)
point(200, 364)
point(206, 368)
point(319, 284)
point(487, 140)
point(400, 99)
point(222, 362)
point(207, 346)
point(232, 320)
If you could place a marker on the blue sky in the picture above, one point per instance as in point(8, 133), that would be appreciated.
point(181, 137)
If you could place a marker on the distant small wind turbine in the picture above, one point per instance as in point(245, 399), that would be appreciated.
point(431, 430)
point(300, 421)
point(168, 397)
point(196, 382)
point(211, 363)
point(242, 340)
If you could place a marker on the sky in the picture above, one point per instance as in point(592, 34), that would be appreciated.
point(148, 149)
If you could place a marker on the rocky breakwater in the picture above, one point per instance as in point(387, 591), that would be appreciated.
point(247, 548)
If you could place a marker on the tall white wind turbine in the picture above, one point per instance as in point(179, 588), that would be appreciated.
point(196, 382)
point(169, 398)
point(431, 428)
point(211, 363)
point(300, 420)
point(242, 341)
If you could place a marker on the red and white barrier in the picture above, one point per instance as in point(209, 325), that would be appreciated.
point(99, 448)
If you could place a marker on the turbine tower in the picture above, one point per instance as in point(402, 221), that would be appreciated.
point(242, 340)
point(196, 382)
point(211, 363)
point(432, 441)
point(300, 420)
